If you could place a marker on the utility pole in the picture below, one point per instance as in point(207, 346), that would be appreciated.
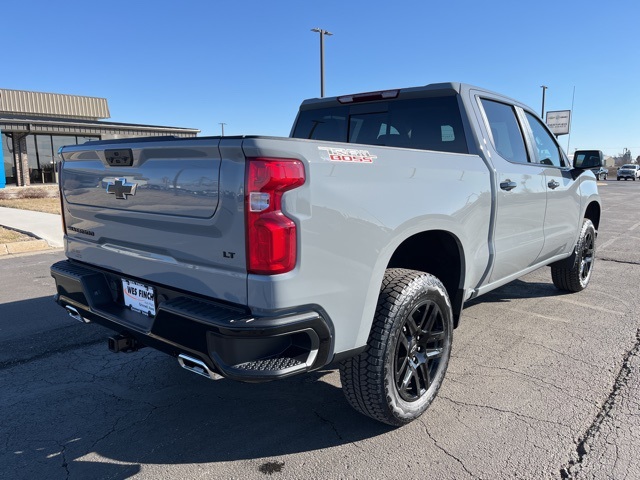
point(222, 126)
point(322, 34)
point(544, 91)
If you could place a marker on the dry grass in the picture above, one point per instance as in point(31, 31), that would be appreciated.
point(46, 205)
point(10, 236)
point(28, 192)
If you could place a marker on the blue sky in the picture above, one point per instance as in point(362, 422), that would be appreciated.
point(249, 64)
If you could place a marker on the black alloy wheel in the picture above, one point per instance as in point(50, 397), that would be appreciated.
point(419, 351)
point(586, 256)
point(573, 273)
point(398, 375)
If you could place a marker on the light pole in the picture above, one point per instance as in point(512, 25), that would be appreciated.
point(544, 91)
point(222, 126)
point(322, 34)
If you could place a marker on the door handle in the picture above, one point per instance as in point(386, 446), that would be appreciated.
point(553, 184)
point(508, 185)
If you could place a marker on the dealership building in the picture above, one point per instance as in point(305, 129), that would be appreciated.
point(34, 125)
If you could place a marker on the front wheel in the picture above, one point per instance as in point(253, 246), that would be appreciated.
point(400, 372)
point(573, 274)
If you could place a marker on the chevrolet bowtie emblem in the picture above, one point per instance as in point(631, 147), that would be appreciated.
point(121, 188)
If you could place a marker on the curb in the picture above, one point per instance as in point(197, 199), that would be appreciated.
point(23, 247)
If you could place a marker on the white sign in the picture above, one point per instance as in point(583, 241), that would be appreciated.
point(139, 297)
point(559, 122)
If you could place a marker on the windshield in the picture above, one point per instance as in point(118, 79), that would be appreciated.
point(630, 167)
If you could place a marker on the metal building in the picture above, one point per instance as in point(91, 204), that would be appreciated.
point(34, 125)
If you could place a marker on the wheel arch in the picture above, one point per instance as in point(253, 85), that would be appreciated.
point(447, 263)
point(593, 213)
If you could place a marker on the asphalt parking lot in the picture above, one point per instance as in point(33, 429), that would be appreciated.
point(540, 385)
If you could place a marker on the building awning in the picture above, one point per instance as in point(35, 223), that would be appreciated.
point(59, 126)
point(52, 105)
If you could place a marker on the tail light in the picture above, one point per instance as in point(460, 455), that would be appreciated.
point(271, 235)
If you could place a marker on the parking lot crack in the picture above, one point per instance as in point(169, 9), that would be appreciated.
point(330, 423)
point(446, 452)
point(583, 444)
point(520, 416)
point(535, 380)
point(615, 260)
point(65, 464)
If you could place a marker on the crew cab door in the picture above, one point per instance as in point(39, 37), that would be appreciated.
point(562, 219)
point(520, 192)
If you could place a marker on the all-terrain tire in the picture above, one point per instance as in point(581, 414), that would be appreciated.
point(573, 273)
point(397, 376)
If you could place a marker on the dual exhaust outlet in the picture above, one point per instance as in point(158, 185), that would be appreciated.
point(73, 313)
point(197, 366)
point(123, 343)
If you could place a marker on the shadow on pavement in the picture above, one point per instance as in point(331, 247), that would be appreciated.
point(518, 289)
point(102, 415)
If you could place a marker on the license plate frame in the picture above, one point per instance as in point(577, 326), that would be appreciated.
point(139, 297)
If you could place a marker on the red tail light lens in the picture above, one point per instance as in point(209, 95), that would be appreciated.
point(271, 235)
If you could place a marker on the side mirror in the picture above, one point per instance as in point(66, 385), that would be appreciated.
point(592, 161)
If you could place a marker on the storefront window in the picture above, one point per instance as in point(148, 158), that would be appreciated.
point(32, 157)
point(82, 140)
point(58, 142)
point(7, 155)
point(45, 158)
point(61, 141)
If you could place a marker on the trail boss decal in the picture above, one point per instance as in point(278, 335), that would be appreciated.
point(346, 155)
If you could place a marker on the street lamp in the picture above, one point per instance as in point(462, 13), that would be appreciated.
point(222, 124)
point(544, 90)
point(322, 34)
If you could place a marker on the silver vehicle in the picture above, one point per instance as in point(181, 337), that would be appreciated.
point(355, 242)
point(629, 170)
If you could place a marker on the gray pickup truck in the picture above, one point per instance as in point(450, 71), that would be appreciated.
point(355, 242)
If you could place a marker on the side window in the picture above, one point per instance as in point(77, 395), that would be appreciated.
point(547, 149)
point(507, 136)
point(429, 124)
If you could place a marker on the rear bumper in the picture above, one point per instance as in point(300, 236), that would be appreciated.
point(227, 338)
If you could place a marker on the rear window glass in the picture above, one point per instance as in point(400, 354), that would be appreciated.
point(425, 124)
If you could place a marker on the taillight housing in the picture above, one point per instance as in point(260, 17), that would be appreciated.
point(272, 245)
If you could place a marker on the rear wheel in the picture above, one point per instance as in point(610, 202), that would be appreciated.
point(573, 274)
point(399, 374)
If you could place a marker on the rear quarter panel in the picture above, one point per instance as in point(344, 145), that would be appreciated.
point(353, 215)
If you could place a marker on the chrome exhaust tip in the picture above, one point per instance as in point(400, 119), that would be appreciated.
point(197, 366)
point(73, 313)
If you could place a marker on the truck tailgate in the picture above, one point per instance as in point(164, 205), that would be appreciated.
point(154, 209)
